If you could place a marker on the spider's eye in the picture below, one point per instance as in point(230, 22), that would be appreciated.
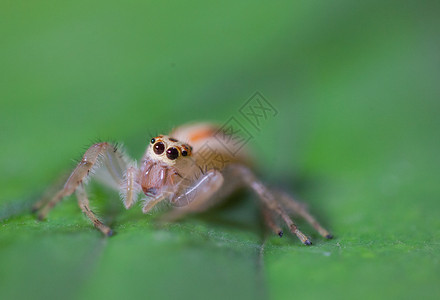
point(184, 153)
point(158, 148)
point(172, 153)
point(153, 140)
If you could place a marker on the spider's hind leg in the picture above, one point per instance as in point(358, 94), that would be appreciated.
point(270, 220)
point(299, 208)
point(268, 198)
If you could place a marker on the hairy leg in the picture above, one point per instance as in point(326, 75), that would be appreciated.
point(97, 155)
point(299, 208)
point(84, 204)
point(55, 187)
point(268, 199)
point(270, 221)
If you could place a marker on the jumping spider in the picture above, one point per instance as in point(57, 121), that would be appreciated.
point(177, 171)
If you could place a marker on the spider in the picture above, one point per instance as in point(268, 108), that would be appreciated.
point(175, 168)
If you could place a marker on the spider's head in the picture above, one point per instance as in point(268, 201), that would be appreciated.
point(168, 150)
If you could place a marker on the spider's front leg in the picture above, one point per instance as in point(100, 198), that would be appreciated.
point(195, 196)
point(101, 154)
point(84, 204)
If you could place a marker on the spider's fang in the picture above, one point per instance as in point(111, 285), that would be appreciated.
point(280, 233)
point(307, 242)
point(329, 236)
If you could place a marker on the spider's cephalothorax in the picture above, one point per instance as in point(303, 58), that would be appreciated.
point(164, 161)
point(191, 178)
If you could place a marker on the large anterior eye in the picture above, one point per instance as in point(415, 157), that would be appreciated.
point(158, 148)
point(172, 153)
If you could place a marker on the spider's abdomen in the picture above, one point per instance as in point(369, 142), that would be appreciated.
point(213, 146)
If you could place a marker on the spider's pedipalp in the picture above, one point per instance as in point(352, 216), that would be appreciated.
point(130, 187)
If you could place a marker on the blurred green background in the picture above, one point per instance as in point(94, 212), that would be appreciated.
point(356, 86)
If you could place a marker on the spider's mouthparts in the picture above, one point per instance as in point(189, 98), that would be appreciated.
point(150, 191)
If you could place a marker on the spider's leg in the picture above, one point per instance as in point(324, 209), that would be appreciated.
point(268, 199)
point(196, 197)
point(151, 203)
point(84, 204)
point(298, 207)
point(270, 220)
point(98, 154)
point(130, 188)
point(45, 198)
